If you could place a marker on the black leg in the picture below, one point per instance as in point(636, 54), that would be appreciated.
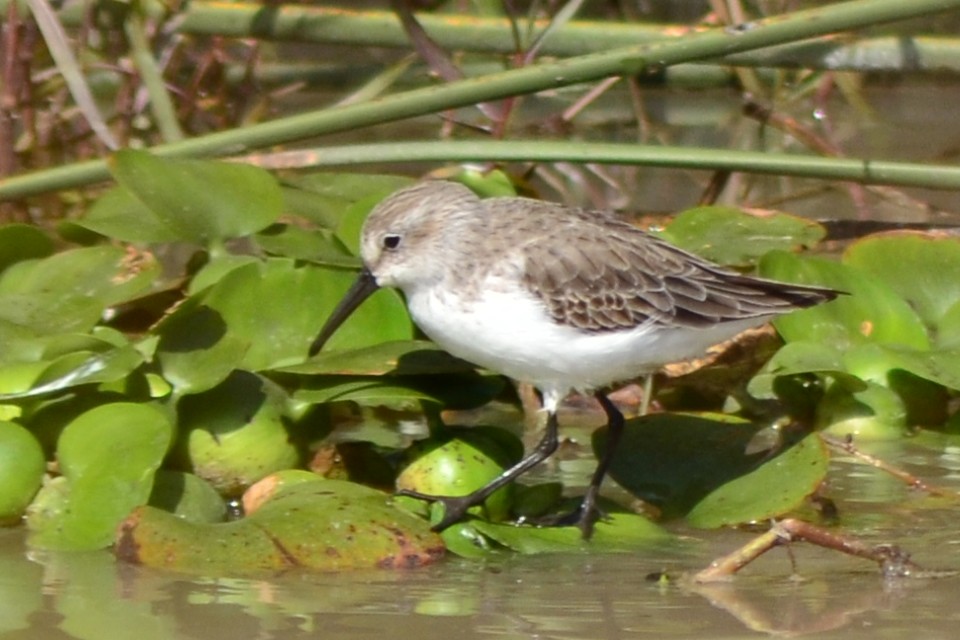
point(587, 513)
point(588, 508)
point(455, 507)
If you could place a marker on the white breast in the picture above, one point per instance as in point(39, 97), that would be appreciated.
point(507, 330)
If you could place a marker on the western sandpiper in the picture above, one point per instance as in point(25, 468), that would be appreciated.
point(563, 298)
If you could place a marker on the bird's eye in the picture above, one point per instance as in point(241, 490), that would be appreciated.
point(391, 241)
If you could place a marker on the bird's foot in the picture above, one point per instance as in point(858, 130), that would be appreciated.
point(454, 507)
point(583, 517)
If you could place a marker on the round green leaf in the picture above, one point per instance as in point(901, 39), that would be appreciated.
point(324, 525)
point(201, 201)
point(22, 465)
point(774, 488)
point(278, 307)
point(70, 290)
point(187, 496)
point(22, 242)
point(871, 312)
point(236, 433)
point(731, 236)
point(108, 457)
point(323, 197)
point(623, 532)
point(120, 215)
point(674, 460)
point(922, 269)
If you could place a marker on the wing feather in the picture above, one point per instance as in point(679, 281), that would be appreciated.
point(597, 273)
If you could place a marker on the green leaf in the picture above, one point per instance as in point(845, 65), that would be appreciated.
point(731, 236)
point(324, 525)
point(874, 413)
point(187, 496)
point(796, 358)
point(70, 290)
point(20, 242)
point(22, 465)
point(920, 268)
point(323, 197)
point(400, 357)
point(319, 247)
point(120, 215)
point(674, 460)
point(108, 457)
point(80, 368)
point(195, 351)
point(458, 462)
point(200, 201)
point(288, 302)
point(872, 312)
point(774, 488)
point(236, 433)
point(373, 390)
point(617, 532)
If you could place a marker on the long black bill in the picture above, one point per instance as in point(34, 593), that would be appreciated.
point(364, 286)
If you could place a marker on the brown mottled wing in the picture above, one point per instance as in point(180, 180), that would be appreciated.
point(600, 274)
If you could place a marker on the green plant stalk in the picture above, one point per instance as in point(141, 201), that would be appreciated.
point(626, 61)
point(846, 169)
point(329, 25)
point(161, 105)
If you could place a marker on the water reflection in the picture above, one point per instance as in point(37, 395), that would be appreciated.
point(596, 597)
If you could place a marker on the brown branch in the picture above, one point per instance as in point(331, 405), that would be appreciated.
point(894, 563)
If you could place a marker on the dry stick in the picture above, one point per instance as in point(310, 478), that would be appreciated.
point(894, 563)
point(846, 445)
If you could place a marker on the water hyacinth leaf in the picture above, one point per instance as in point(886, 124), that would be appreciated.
point(313, 246)
point(948, 331)
point(323, 197)
point(216, 270)
point(459, 462)
point(70, 290)
point(201, 201)
point(82, 367)
point(732, 236)
point(187, 496)
point(872, 312)
point(673, 460)
point(772, 489)
point(487, 184)
point(301, 527)
point(278, 306)
point(22, 465)
point(796, 358)
point(920, 268)
point(617, 532)
point(351, 223)
point(370, 391)
point(195, 351)
point(120, 215)
point(108, 457)
point(20, 242)
point(875, 413)
point(19, 377)
point(236, 433)
point(399, 357)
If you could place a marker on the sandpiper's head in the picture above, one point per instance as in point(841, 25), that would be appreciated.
point(404, 241)
point(406, 236)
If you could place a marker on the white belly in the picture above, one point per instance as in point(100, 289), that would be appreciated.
point(511, 333)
